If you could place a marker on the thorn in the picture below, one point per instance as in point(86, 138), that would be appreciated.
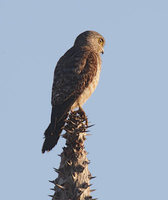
point(60, 186)
point(73, 122)
point(86, 162)
point(51, 196)
point(74, 176)
point(92, 177)
point(67, 130)
point(92, 190)
point(52, 182)
point(90, 126)
point(85, 185)
point(69, 163)
point(88, 198)
point(56, 170)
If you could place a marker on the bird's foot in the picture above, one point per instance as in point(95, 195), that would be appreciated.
point(82, 114)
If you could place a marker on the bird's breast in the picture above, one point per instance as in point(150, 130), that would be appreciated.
point(88, 90)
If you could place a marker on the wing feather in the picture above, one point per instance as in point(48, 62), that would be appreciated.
point(74, 71)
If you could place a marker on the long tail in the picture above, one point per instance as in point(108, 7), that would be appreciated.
point(58, 116)
point(53, 133)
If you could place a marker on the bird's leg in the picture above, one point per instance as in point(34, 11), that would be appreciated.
point(83, 115)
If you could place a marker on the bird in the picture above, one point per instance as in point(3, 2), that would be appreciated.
point(76, 76)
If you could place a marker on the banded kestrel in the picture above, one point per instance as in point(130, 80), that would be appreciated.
point(75, 78)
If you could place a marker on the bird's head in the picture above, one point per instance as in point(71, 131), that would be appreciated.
point(92, 39)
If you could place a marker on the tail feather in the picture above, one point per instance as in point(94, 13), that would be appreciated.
point(58, 116)
point(52, 134)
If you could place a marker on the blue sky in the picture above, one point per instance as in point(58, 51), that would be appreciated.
point(128, 147)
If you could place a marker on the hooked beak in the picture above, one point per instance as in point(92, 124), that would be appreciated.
point(102, 51)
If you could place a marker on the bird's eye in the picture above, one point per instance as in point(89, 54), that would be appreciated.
point(101, 41)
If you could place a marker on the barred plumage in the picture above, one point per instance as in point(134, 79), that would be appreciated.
point(75, 79)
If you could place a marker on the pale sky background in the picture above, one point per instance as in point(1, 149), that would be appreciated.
point(128, 147)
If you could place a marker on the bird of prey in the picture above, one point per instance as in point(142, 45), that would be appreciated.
point(75, 78)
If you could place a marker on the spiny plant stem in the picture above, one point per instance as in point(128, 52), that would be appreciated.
point(73, 182)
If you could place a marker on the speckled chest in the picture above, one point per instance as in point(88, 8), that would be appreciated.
point(90, 89)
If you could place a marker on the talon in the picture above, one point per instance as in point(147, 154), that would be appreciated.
point(83, 115)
